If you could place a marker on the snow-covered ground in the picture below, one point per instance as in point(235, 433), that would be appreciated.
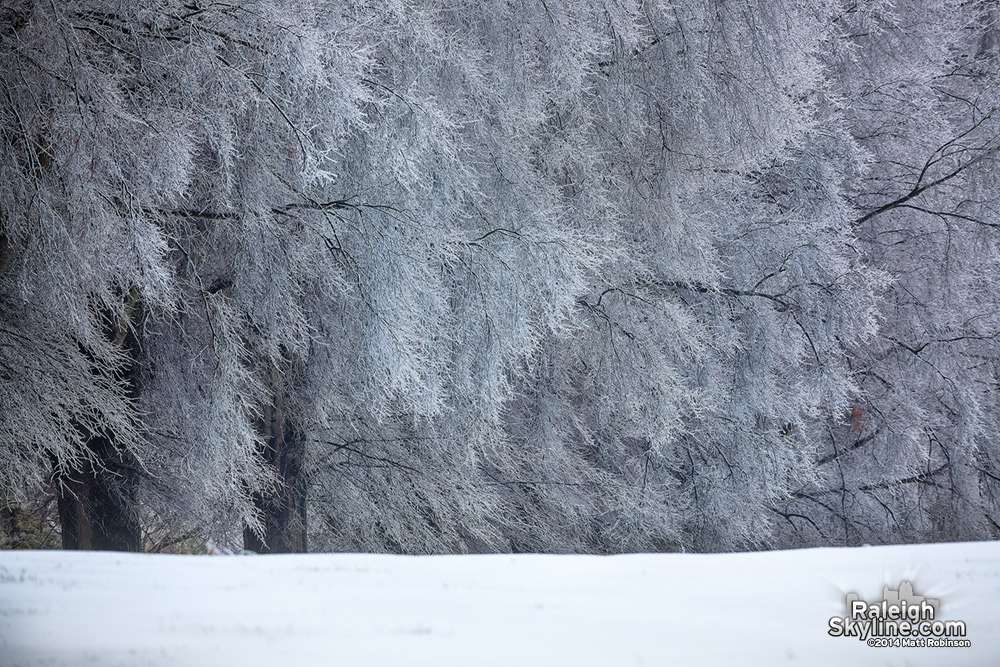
point(767, 609)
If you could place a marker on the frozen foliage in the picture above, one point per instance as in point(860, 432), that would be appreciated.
point(917, 458)
point(149, 156)
point(574, 276)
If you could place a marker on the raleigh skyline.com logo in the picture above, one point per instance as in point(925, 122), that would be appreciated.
point(902, 618)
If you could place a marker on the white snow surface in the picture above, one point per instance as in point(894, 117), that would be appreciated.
point(764, 608)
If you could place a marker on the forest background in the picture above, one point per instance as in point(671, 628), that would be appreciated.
point(544, 276)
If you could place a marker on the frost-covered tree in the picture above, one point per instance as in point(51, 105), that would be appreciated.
point(462, 260)
point(617, 374)
point(149, 276)
point(916, 459)
point(574, 276)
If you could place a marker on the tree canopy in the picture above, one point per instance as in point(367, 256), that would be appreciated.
point(590, 276)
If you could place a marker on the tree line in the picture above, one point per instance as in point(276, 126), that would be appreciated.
point(594, 276)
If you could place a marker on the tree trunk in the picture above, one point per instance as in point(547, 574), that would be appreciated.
point(10, 524)
point(96, 502)
point(284, 511)
point(95, 505)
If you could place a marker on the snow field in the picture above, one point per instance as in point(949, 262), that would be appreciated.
point(766, 608)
